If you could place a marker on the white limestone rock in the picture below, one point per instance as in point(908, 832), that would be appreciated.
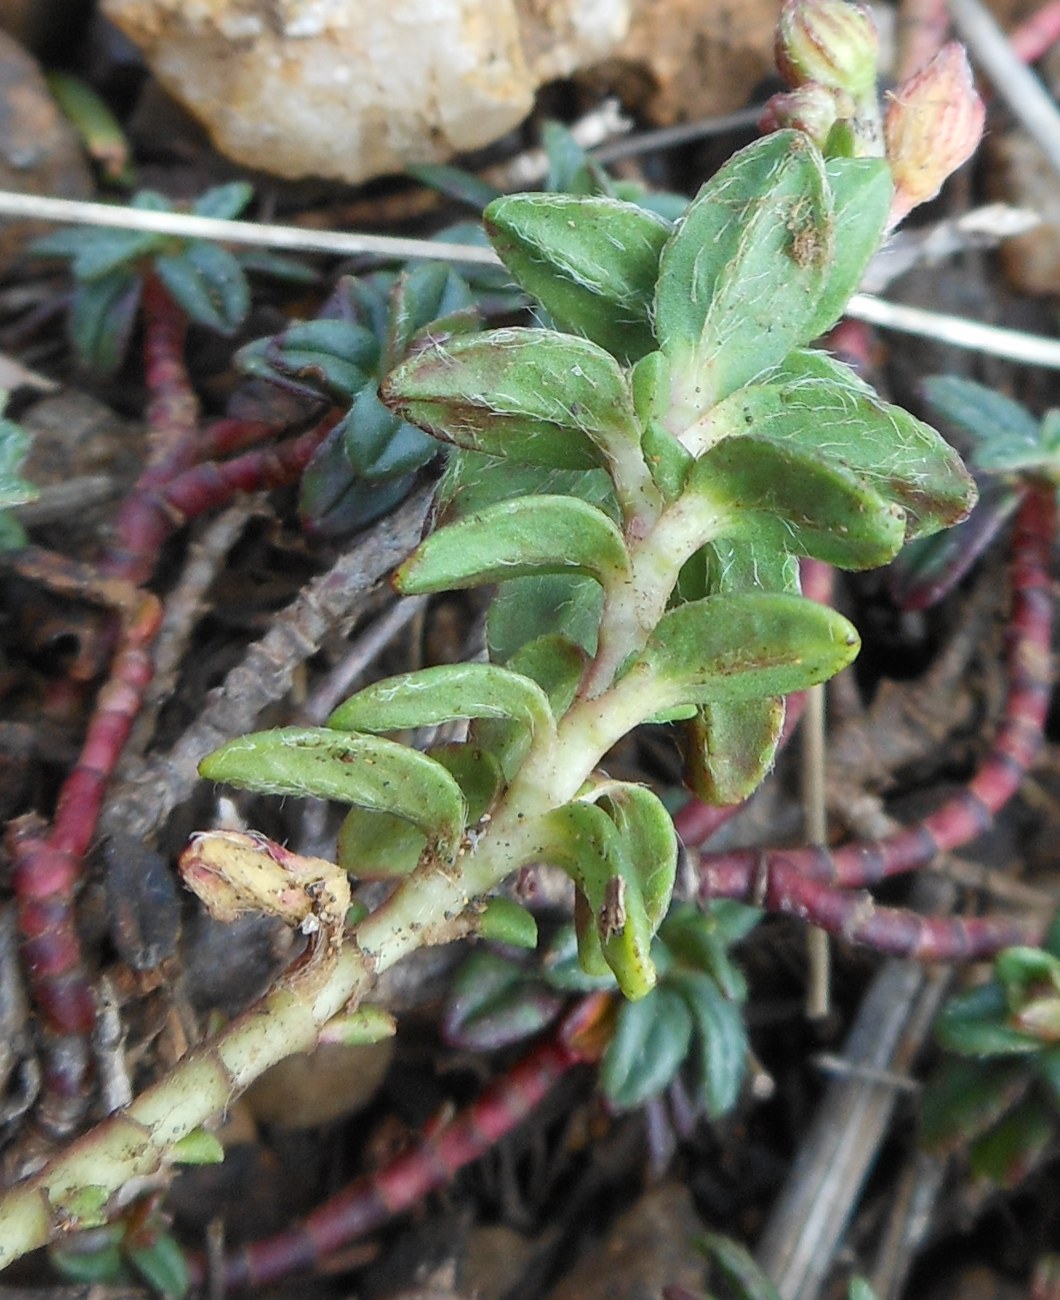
point(349, 89)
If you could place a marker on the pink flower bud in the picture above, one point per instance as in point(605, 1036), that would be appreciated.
point(811, 108)
point(831, 42)
point(932, 125)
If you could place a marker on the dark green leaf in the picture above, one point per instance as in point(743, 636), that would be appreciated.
point(592, 263)
point(988, 416)
point(102, 315)
point(739, 1269)
point(423, 297)
point(964, 1099)
point(1016, 1145)
point(162, 1265)
point(333, 358)
point(978, 1023)
point(454, 183)
point(493, 1003)
point(224, 201)
point(208, 282)
point(649, 1045)
point(720, 1040)
point(553, 603)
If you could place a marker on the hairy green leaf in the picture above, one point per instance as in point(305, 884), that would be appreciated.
point(741, 276)
point(591, 261)
point(800, 500)
point(862, 190)
point(443, 694)
point(816, 405)
point(514, 538)
point(364, 770)
point(736, 647)
point(529, 395)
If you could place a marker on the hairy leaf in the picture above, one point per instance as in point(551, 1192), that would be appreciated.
point(515, 538)
point(591, 261)
point(741, 276)
point(530, 395)
point(364, 770)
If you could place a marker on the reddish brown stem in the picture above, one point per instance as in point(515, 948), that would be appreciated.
point(151, 515)
point(173, 408)
point(370, 1201)
point(812, 882)
point(1037, 34)
point(696, 822)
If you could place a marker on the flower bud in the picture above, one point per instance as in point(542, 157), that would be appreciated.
point(932, 125)
point(831, 42)
point(810, 108)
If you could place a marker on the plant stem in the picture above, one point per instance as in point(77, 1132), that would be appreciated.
point(373, 1199)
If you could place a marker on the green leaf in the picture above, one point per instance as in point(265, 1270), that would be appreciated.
point(739, 1268)
point(698, 939)
point(809, 505)
point(741, 276)
point(377, 845)
point(977, 1023)
point(729, 748)
point(529, 395)
point(862, 190)
point(647, 830)
point(492, 1003)
point(550, 603)
point(428, 298)
point(612, 921)
point(224, 201)
point(964, 1099)
point(91, 1268)
point(859, 1289)
point(737, 647)
point(102, 252)
point(197, 1148)
point(208, 282)
point(515, 538)
point(14, 444)
point(1016, 1145)
point(101, 320)
point(162, 1265)
point(444, 694)
point(591, 262)
point(556, 665)
point(563, 968)
point(364, 770)
point(650, 1043)
point(986, 415)
point(818, 406)
point(502, 920)
point(330, 357)
point(720, 1042)
point(471, 482)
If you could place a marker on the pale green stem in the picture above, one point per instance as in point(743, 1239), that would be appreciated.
point(632, 608)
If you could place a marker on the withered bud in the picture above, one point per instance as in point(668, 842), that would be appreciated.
point(831, 42)
point(932, 124)
point(233, 873)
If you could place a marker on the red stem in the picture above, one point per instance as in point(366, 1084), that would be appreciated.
point(813, 882)
point(371, 1200)
point(173, 408)
point(151, 514)
point(1037, 34)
